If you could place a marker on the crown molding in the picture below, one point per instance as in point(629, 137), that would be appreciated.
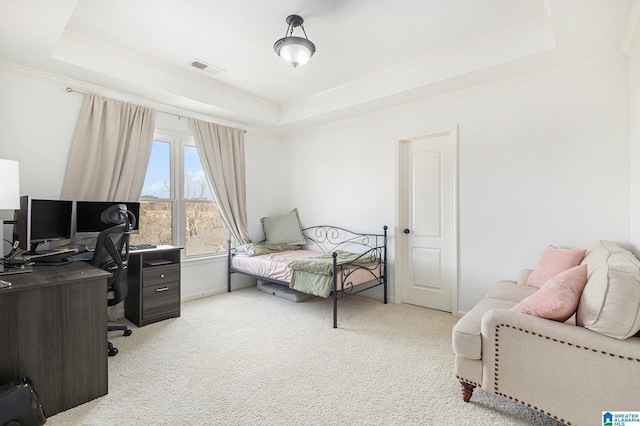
point(440, 99)
point(430, 57)
point(466, 58)
point(41, 75)
point(159, 107)
point(297, 129)
point(632, 33)
point(119, 51)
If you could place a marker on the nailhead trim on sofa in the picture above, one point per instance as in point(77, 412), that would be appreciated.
point(471, 382)
point(497, 359)
point(497, 365)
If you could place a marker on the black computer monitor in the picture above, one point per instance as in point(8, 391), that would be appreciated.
point(40, 221)
point(88, 222)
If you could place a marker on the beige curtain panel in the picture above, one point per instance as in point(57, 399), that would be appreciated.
point(221, 150)
point(110, 151)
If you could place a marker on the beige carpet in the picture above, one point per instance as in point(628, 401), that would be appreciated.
point(250, 358)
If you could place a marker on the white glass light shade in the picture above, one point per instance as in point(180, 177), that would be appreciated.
point(10, 187)
point(295, 51)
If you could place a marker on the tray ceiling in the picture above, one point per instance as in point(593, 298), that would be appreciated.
point(370, 54)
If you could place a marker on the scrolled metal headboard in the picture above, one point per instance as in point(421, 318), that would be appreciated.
point(328, 239)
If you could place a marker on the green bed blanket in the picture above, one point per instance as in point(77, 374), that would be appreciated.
point(314, 275)
point(258, 249)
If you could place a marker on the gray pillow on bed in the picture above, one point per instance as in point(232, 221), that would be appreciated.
point(285, 229)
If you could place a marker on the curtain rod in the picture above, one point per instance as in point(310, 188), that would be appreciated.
point(71, 90)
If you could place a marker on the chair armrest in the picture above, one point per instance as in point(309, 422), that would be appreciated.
point(557, 368)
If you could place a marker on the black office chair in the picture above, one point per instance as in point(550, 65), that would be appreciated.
point(112, 255)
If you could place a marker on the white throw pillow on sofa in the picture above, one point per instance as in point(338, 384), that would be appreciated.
point(610, 302)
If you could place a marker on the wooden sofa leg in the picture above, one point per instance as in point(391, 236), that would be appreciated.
point(467, 391)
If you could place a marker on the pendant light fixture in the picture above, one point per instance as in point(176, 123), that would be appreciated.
point(294, 51)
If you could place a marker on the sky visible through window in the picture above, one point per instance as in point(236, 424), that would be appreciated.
point(193, 169)
point(156, 182)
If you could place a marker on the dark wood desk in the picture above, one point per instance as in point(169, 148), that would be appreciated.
point(53, 329)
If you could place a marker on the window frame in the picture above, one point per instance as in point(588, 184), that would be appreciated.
point(178, 142)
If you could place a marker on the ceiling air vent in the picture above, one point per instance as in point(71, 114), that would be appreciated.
point(203, 66)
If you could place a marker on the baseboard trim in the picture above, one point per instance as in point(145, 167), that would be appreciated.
point(214, 292)
point(238, 286)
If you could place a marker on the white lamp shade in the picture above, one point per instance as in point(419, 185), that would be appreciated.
point(295, 51)
point(295, 55)
point(10, 188)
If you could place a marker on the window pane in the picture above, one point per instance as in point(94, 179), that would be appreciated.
point(157, 182)
point(155, 223)
point(196, 186)
point(205, 231)
point(156, 216)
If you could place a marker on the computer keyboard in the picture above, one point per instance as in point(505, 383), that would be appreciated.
point(85, 256)
point(50, 255)
point(141, 246)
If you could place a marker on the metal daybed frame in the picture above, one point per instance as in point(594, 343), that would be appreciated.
point(329, 239)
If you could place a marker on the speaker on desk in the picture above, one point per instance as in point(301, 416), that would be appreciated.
point(19, 404)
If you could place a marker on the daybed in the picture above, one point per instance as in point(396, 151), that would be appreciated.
point(573, 367)
point(321, 260)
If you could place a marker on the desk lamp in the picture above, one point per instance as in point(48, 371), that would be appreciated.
point(9, 198)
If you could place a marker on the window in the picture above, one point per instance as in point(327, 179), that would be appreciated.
point(177, 205)
point(156, 201)
point(205, 231)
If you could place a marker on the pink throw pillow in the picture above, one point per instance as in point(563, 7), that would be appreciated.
point(554, 261)
point(558, 299)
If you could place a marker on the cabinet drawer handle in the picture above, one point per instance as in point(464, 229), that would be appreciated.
point(161, 275)
point(162, 289)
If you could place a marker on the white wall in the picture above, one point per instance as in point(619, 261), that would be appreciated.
point(634, 128)
point(541, 161)
point(38, 118)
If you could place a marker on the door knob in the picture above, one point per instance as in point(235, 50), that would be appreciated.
point(406, 231)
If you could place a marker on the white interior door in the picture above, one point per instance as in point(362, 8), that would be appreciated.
point(428, 261)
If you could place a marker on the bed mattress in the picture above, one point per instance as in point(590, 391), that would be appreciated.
point(275, 266)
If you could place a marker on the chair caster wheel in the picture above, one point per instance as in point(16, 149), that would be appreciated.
point(113, 352)
point(127, 333)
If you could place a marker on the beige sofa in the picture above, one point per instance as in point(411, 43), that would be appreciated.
point(571, 371)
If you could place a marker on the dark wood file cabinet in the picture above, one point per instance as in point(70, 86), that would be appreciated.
point(154, 285)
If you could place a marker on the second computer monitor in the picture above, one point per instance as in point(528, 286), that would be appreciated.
point(88, 216)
